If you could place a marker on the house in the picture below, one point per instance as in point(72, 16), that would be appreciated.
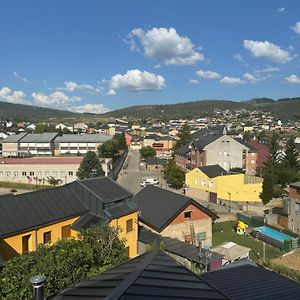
point(191, 256)
point(159, 143)
point(10, 145)
point(294, 208)
point(174, 215)
point(46, 216)
point(152, 275)
point(231, 252)
point(213, 183)
point(155, 164)
point(262, 150)
point(73, 144)
point(80, 127)
point(246, 280)
point(182, 158)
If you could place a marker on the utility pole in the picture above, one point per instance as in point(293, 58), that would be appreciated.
point(229, 198)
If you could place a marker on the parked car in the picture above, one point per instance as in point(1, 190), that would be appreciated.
point(149, 181)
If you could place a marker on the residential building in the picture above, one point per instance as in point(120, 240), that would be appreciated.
point(49, 215)
point(182, 158)
point(174, 215)
point(262, 152)
point(155, 164)
point(294, 208)
point(159, 143)
point(73, 144)
point(215, 184)
point(10, 145)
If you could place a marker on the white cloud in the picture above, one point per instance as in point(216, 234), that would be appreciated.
point(72, 86)
point(111, 92)
point(293, 79)
point(268, 50)
point(239, 57)
point(250, 77)
point(56, 99)
point(136, 80)
point(193, 81)
point(7, 95)
point(90, 108)
point(165, 45)
point(232, 81)
point(208, 74)
point(267, 70)
point(296, 28)
point(280, 10)
point(20, 77)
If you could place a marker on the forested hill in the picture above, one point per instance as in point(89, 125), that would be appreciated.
point(285, 108)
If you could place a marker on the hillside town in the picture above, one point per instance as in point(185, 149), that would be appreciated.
point(207, 177)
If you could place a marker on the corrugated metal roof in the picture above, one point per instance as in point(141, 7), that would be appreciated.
point(29, 210)
point(14, 138)
point(45, 137)
point(83, 138)
point(153, 275)
point(86, 221)
point(188, 251)
point(250, 282)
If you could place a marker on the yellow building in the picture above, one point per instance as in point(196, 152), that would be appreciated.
point(213, 182)
point(40, 217)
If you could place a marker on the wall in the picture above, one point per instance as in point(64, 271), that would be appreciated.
point(12, 246)
point(131, 237)
point(9, 149)
point(225, 152)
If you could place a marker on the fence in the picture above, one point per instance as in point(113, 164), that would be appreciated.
point(117, 165)
point(252, 221)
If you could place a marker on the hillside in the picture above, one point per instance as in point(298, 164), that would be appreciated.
point(287, 108)
point(20, 112)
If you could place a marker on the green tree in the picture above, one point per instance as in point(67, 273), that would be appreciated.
point(184, 136)
point(173, 175)
point(267, 189)
point(90, 166)
point(147, 152)
point(108, 150)
point(120, 141)
point(291, 158)
point(65, 263)
point(53, 181)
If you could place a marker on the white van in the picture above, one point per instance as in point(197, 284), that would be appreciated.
point(149, 181)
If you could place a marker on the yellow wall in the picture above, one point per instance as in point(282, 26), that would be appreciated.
point(12, 246)
point(130, 237)
point(227, 187)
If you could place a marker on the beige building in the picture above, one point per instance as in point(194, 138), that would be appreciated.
point(36, 170)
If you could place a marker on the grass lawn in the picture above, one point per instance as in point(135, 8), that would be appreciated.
point(23, 186)
point(224, 232)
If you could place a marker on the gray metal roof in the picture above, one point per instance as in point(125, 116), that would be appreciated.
point(250, 282)
point(159, 206)
point(83, 138)
point(153, 275)
point(14, 138)
point(213, 171)
point(45, 137)
point(188, 251)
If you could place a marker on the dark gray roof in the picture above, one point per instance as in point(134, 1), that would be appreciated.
point(201, 143)
point(213, 171)
point(186, 250)
point(155, 161)
point(14, 138)
point(106, 189)
point(250, 282)
point(153, 275)
point(250, 147)
point(83, 138)
point(183, 150)
point(22, 212)
point(86, 221)
point(159, 207)
point(45, 137)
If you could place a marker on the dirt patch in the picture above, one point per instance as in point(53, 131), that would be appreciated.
point(290, 260)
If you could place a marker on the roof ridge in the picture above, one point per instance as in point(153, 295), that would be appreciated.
point(132, 277)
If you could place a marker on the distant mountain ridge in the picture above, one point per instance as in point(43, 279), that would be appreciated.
point(286, 108)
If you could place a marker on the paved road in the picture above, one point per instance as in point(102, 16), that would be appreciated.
point(133, 174)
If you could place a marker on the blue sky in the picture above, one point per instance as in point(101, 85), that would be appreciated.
point(98, 55)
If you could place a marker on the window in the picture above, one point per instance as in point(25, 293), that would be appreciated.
point(297, 206)
point(39, 173)
point(187, 214)
point(24, 173)
point(1, 173)
point(62, 173)
point(66, 232)
point(7, 174)
point(252, 162)
point(31, 173)
point(203, 182)
point(47, 237)
point(46, 173)
point(211, 184)
point(196, 181)
point(25, 243)
point(16, 174)
point(54, 173)
point(71, 173)
point(129, 225)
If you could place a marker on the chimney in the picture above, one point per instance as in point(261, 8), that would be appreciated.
point(38, 286)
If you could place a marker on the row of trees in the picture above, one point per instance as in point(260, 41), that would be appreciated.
point(65, 263)
point(280, 168)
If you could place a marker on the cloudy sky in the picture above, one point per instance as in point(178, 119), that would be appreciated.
point(95, 56)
